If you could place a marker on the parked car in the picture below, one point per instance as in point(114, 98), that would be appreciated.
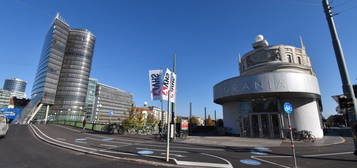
point(3, 126)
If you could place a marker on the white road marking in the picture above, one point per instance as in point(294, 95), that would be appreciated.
point(171, 154)
point(266, 161)
point(313, 155)
point(107, 145)
point(162, 150)
point(116, 142)
point(91, 152)
point(67, 128)
point(61, 139)
point(202, 164)
point(229, 163)
point(80, 142)
point(328, 154)
point(181, 147)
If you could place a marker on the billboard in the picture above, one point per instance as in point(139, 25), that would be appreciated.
point(155, 77)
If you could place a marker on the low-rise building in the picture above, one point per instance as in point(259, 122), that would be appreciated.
point(4, 98)
point(111, 104)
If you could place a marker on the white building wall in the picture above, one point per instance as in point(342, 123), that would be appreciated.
point(306, 116)
point(230, 117)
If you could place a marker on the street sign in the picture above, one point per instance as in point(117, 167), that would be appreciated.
point(288, 108)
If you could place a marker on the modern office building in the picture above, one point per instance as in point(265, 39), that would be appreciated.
point(90, 98)
point(111, 104)
point(5, 96)
point(271, 75)
point(16, 87)
point(73, 80)
point(63, 71)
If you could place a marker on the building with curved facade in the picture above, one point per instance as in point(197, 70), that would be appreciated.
point(16, 86)
point(60, 85)
point(271, 75)
point(73, 81)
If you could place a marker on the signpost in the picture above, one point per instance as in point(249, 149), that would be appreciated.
point(288, 108)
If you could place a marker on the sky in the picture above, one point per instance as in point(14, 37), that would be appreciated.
point(134, 36)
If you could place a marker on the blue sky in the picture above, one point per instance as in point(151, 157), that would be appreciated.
point(134, 36)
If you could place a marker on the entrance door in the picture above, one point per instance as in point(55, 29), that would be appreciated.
point(265, 125)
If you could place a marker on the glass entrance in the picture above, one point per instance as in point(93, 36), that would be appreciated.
point(264, 125)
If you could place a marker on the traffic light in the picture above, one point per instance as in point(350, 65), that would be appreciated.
point(342, 101)
point(345, 103)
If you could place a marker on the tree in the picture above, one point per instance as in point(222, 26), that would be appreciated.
point(151, 119)
point(178, 119)
point(195, 121)
point(209, 121)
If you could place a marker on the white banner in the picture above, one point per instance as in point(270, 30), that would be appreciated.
point(166, 84)
point(155, 77)
point(173, 88)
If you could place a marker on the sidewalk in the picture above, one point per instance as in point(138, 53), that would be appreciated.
point(253, 142)
point(325, 141)
point(232, 141)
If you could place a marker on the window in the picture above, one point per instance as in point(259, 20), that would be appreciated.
point(290, 60)
point(299, 60)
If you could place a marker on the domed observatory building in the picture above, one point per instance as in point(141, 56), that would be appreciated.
point(269, 77)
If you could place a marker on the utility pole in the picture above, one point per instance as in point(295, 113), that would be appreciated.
point(215, 118)
point(205, 117)
point(346, 84)
point(190, 112)
point(173, 109)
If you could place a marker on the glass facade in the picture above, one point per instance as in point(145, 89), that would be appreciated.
point(15, 85)
point(50, 64)
point(90, 98)
point(111, 104)
point(73, 81)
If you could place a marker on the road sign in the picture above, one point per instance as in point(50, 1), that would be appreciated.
point(288, 108)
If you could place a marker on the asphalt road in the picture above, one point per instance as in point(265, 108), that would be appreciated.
point(21, 149)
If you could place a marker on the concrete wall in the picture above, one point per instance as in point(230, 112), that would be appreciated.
point(230, 117)
point(306, 116)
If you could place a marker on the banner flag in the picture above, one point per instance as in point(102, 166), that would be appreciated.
point(166, 85)
point(173, 88)
point(155, 77)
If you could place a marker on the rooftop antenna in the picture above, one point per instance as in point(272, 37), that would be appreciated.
point(302, 44)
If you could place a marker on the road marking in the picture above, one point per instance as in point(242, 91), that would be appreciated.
point(250, 162)
point(229, 163)
point(61, 139)
point(116, 142)
point(107, 139)
point(80, 142)
point(266, 161)
point(107, 145)
point(162, 150)
point(327, 154)
point(202, 164)
point(33, 128)
point(177, 155)
point(179, 147)
point(68, 128)
point(80, 139)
